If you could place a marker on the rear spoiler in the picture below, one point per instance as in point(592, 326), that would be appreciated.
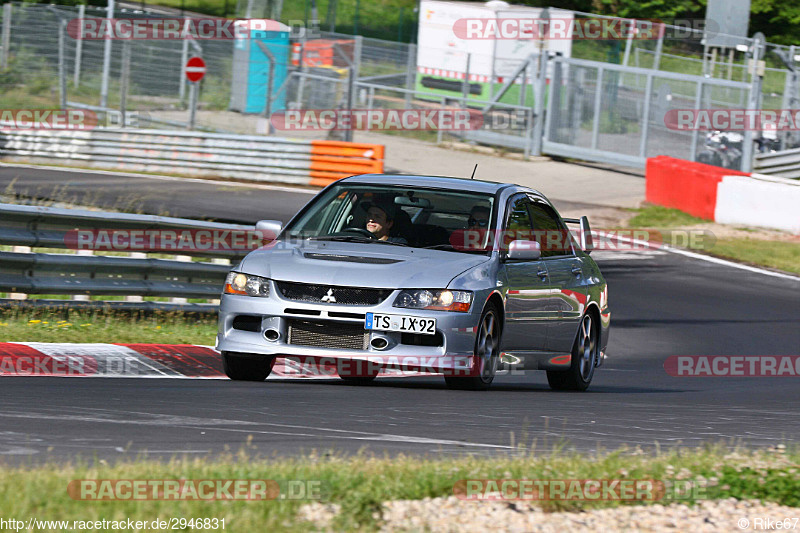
point(585, 233)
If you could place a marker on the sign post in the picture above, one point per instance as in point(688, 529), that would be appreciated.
point(195, 70)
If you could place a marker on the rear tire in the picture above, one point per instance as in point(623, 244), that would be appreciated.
point(487, 353)
point(246, 366)
point(584, 358)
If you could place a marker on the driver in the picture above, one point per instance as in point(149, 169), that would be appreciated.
point(380, 219)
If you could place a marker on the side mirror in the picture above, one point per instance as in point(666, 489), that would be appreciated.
point(524, 250)
point(587, 243)
point(270, 228)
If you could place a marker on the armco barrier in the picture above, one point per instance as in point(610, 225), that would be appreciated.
point(249, 157)
point(64, 273)
point(723, 195)
point(785, 163)
point(685, 185)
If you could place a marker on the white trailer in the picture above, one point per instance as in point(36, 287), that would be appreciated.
point(445, 56)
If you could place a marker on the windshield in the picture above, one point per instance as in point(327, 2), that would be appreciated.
point(421, 218)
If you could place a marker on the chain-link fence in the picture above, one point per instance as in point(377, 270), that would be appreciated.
point(44, 65)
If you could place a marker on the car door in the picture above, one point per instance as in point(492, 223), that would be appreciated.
point(528, 286)
point(565, 270)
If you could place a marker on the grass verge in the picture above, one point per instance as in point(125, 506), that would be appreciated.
point(109, 326)
point(359, 485)
point(778, 253)
point(771, 254)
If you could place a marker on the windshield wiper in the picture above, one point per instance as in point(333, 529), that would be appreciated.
point(353, 238)
point(344, 238)
point(451, 248)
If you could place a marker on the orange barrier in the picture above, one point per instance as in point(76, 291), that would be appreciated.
point(333, 160)
point(320, 53)
point(685, 185)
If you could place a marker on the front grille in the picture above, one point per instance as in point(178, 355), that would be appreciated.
point(321, 294)
point(327, 335)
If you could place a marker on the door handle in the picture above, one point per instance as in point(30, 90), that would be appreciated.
point(576, 270)
point(542, 274)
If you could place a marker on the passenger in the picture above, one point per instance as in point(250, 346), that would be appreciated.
point(478, 218)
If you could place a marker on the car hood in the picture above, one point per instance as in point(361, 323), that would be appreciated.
point(359, 265)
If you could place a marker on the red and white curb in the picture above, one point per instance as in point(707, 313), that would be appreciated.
point(141, 361)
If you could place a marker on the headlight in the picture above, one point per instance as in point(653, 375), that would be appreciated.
point(238, 283)
point(438, 300)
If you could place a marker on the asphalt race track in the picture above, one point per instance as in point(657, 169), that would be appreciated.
point(662, 304)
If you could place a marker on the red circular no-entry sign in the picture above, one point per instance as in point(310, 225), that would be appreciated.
point(195, 69)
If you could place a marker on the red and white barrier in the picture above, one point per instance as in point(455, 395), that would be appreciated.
point(723, 195)
point(759, 200)
point(144, 361)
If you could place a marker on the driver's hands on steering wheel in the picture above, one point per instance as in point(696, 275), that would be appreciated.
point(361, 231)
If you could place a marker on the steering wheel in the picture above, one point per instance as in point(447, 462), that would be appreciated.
point(361, 231)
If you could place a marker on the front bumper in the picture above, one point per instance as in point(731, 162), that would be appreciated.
point(273, 314)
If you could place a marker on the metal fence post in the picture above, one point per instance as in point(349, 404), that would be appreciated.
point(298, 102)
point(351, 87)
point(695, 132)
point(439, 130)
point(184, 59)
point(62, 68)
point(76, 76)
point(648, 95)
point(529, 133)
point(357, 54)
point(270, 81)
point(538, 103)
point(465, 84)
point(106, 60)
point(752, 102)
point(789, 99)
point(411, 72)
point(123, 81)
point(659, 47)
point(597, 96)
point(6, 35)
point(192, 105)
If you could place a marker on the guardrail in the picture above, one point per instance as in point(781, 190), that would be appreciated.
point(785, 163)
point(63, 273)
point(249, 157)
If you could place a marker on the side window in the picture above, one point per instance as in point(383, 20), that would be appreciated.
point(519, 226)
point(551, 234)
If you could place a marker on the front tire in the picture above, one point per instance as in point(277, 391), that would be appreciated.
point(584, 360)
point(246, 366)
point(487, 353)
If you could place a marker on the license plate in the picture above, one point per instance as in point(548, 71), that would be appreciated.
point(406, 324)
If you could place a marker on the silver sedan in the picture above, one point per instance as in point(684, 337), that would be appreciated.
point(420, 274)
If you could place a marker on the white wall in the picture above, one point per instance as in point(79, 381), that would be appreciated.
point(759, 200)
